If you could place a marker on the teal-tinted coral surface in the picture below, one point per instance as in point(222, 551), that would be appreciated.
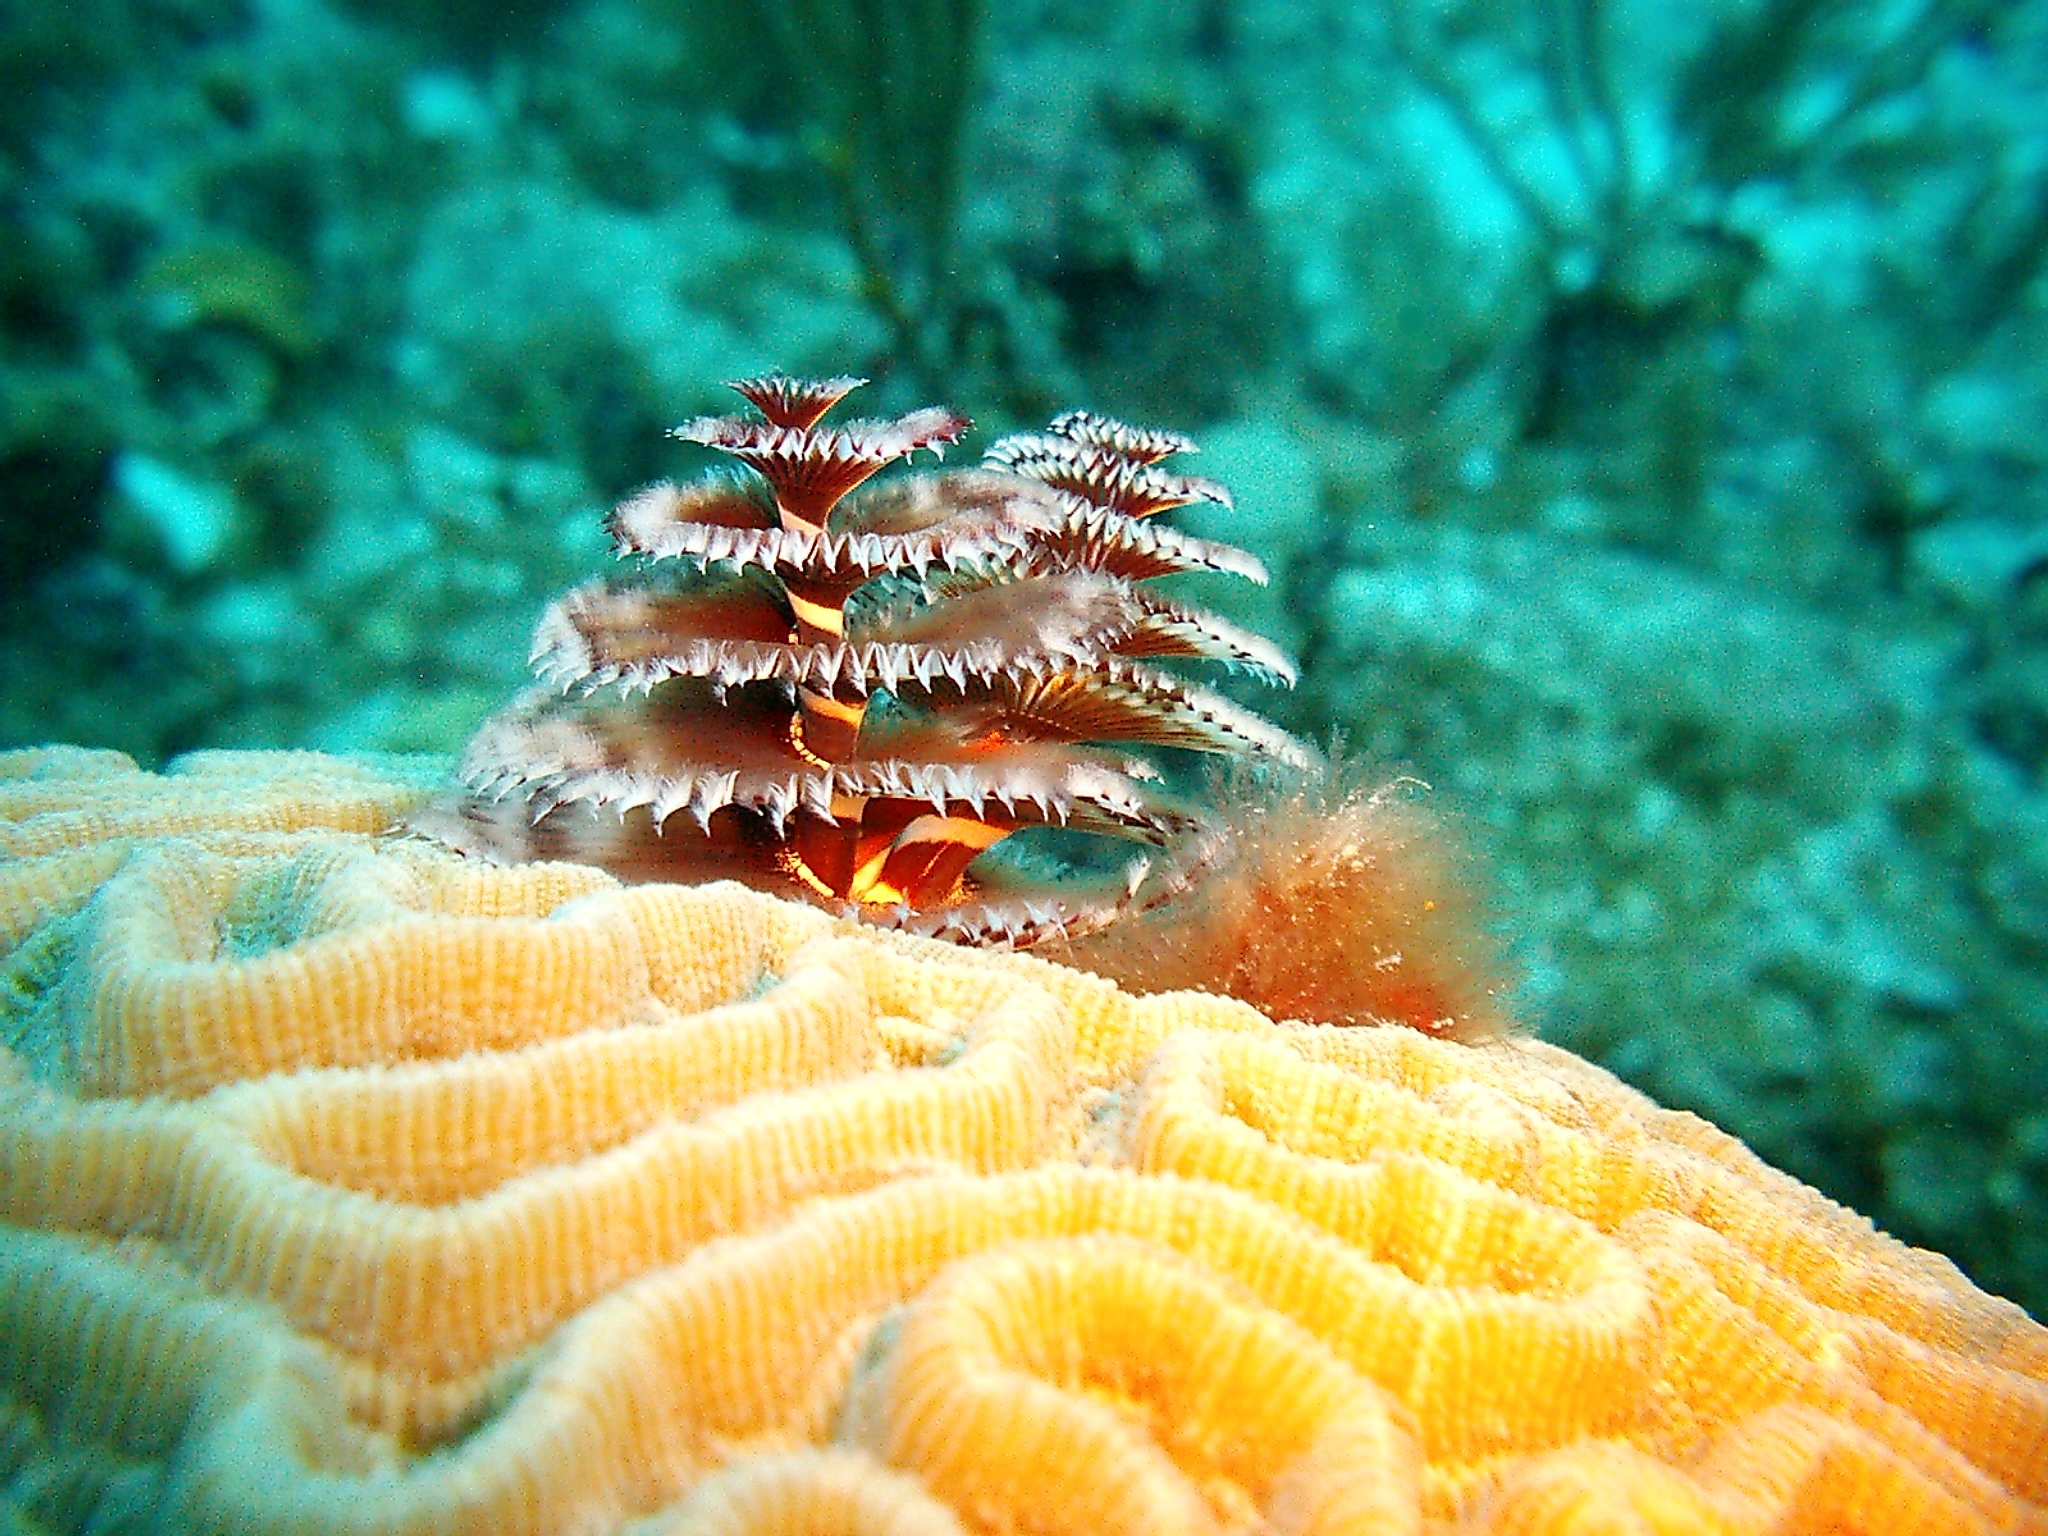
point(1642, 409)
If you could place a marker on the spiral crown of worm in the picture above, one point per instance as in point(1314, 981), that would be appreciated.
point(849, 691)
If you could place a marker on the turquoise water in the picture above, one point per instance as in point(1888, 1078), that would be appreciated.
point(1643, 422)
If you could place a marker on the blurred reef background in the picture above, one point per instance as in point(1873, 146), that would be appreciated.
point(1644, 410)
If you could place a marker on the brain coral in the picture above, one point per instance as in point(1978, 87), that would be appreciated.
point(347, 1186)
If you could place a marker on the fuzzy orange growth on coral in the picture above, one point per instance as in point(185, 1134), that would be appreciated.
point(850, 695)
point(1325, 900)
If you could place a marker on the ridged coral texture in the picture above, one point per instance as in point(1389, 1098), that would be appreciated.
point(351, 1187)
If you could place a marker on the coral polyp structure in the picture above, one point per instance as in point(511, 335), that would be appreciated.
point(850, 691)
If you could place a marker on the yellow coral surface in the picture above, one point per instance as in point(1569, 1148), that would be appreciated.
point(348, 1186)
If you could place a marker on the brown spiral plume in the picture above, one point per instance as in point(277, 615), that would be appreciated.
point(849, 692)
